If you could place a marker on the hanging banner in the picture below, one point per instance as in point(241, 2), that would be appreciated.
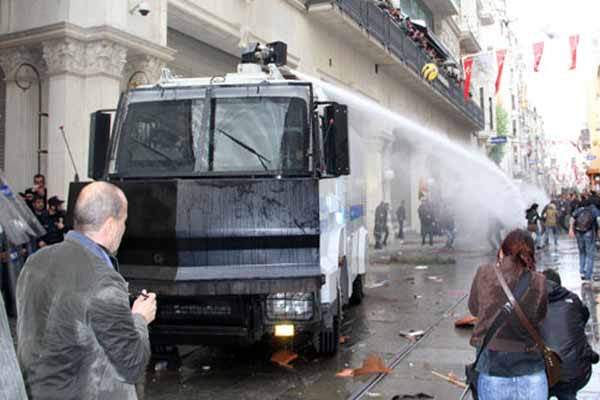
point(574, 42)
point(468, 68)
point(500, 57)
point(538, 50)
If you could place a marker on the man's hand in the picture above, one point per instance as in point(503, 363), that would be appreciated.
point(145, 305)
point(571, 233)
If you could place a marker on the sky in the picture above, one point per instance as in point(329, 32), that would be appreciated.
point(560, 95)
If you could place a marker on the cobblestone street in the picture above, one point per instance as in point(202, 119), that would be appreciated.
point(400, 297)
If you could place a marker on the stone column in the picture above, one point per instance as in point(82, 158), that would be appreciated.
point(142, 70)
point(21, 140)
point(83, 77)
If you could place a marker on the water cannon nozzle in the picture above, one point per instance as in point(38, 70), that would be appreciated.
point(271, 53)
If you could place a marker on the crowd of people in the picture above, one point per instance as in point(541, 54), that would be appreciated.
point(514, 352)
point(50, 212)
point(420, 38)
point(435, 221)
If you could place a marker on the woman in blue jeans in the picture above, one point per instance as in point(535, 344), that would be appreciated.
point(510, 368)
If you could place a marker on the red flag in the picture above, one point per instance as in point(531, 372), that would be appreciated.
point(468, 68)
point(500, 57)
point(538, 50)
point(574, 41)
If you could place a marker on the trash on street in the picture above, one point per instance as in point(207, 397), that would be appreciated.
point(371, 365)
point(283, 358)
point(412, 335)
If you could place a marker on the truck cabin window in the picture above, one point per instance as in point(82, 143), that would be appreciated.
point(218, 134)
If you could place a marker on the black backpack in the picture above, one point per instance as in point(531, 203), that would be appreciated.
point(585, 220)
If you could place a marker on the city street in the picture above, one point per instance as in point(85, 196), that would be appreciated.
point(400, 297)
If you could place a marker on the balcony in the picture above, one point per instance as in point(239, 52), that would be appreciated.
point(442, 8)
point(469, 30)
point(484, 10)
point(388, 44)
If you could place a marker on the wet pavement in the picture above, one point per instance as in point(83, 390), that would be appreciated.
point(411, 298)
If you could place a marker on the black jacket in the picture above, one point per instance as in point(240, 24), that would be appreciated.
point(563, 331)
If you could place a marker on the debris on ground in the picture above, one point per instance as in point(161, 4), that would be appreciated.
point(413, 396)
point(283, 358)
point(412, 335)
point(435, 278)
point(421, 267)
point(450, 379)
point(371, 365)
point(370, 394)
point(378, 284)
point(466, 322)
point(383, 260)
point(417, 296)
point(206, 368)
point(423, 259)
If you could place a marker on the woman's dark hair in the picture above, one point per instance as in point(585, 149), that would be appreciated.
point(520, 245)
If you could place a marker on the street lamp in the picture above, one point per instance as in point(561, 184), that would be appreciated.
point(25, 86)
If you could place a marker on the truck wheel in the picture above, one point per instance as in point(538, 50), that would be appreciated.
point(357, 291)
point(329, 339)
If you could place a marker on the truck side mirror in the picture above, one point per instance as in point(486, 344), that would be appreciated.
point(335, 140)
point(99, 139)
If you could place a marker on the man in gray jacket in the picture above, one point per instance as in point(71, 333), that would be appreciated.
point(78, 338)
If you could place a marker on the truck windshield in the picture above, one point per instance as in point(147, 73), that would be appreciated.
point(193, 131)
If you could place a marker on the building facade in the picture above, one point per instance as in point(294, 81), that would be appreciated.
point(86, 52)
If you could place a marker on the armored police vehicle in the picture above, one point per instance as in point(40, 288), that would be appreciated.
point(246, 207)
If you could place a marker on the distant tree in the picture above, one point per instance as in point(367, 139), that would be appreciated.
point(497, 151)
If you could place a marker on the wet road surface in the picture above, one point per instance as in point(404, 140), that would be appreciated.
point(411, 299)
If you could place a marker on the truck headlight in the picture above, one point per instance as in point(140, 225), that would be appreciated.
point(290, 306)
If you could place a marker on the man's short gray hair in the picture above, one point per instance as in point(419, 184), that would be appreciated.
point(96, 203)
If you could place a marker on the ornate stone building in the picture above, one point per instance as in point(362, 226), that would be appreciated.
point(87, 51)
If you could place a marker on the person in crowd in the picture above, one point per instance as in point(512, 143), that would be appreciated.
point(448, 225)
point(426, 218)
point(563, 213)
point(39, 210)
point(78, 337)
point(507, 368)
point(595, 199)
point(583, 227)
point(494, 233)
point(534, 224)
point(550, 218)
point(401, 216)
point(39, 188)
point(386, 224)
point(563, 331)
point(381, 229)
point(55, 228)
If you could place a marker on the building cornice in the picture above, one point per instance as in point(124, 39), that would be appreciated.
point(65, 30)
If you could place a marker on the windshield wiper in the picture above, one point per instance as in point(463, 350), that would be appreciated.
point(260, 157)
point(148, 147)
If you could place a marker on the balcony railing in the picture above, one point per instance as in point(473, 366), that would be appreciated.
point(381, 27)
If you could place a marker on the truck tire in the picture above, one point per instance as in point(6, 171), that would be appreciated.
point(357, 291)
point(329, 339)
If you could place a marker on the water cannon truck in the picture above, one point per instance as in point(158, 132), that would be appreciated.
point(246, 203)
